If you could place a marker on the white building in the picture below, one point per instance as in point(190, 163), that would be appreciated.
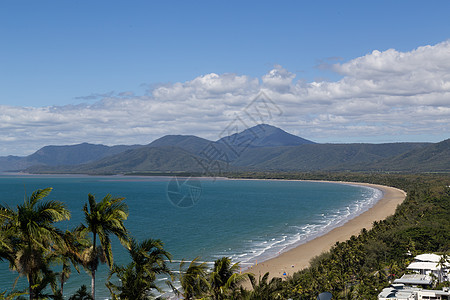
point(415, 280)
point(429, 264)
point(400, 292)
point(430, 257)
point(424, 268)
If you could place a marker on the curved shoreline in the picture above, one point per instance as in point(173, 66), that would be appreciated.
point(299, 257)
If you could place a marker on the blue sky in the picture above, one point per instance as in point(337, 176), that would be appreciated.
point(61, 59)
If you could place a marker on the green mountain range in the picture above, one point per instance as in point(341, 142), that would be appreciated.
point(260, 148)
point(315, 157)
point(62, 155)
point(433, 158)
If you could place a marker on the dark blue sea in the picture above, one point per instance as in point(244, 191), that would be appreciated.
point(246, 220)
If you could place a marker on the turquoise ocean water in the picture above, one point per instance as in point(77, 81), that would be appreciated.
point(247, 220)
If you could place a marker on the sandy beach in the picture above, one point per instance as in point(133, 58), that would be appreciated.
point(298, 258)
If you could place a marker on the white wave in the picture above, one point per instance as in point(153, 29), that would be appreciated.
point(260, 250)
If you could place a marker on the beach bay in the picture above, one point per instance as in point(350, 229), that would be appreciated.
point(247, 220)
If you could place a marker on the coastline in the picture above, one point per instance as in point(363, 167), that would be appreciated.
point(299, 257)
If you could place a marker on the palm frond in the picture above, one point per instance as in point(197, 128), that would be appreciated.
point(38, 195)
point(52, 211)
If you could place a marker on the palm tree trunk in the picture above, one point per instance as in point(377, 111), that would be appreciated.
point(62, 283)
point(30, 288)
point(93, 269)
point(93, 284)
point(30, 274)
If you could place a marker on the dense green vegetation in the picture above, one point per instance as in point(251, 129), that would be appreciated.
point(27, 235)
point(360, 267)
point(331, 157)
point(356, 269)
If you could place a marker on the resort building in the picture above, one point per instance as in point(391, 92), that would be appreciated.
point(426, 268)
point(431, 265)
point(400, 292)
point(415, 280)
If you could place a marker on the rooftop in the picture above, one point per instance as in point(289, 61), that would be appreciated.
point(400, 292)
point(420, 265)
point(415, 279)
point(429, 257)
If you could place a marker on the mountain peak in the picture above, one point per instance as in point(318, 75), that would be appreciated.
point(264, 135)
point(190, 143)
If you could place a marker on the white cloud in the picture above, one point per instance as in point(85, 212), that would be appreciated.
point(383, 96)
point(278, 79)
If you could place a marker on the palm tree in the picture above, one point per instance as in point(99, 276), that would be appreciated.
point(224, 278)
point(46, 277)
point(443, 263)
point(31, 235)
point(265, 289)
point(137, 279)
point(103, 219)
point(5, 233)
point(81, 294)
point(193, 280)
point(75, 242)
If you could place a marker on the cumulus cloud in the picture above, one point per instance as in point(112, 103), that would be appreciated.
point(382, 96)
point(278, 79)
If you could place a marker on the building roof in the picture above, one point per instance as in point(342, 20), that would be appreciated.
point(408, 293)
point(420, 265)
point(414, 279)
point(387, 293)
point(430, 257)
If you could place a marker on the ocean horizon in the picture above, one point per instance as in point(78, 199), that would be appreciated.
point(247, 220)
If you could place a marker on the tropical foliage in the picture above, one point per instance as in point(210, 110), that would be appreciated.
point(29, 238)
point(137, 279)
point(81, 294)
point(103, 219)
point(225, 279)
point(193, 280)
point(265, 289)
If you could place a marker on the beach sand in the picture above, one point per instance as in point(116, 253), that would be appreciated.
point(298, 258)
